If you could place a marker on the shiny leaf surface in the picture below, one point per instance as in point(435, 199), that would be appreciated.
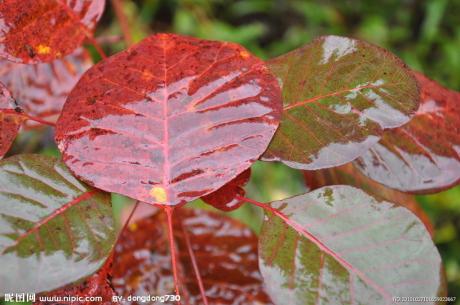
point(224, 250)
point(40, 31)
point(53, 229)
point(338, 93)
point(41, 89)
point(169, 120)
point(10, 120)
point(96, 286)
point(225, 198)
point(422, 156)
point(348, 174)
point(344, 247)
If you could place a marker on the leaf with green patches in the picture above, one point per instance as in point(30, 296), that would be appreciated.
point(338, 245)
point(54, 230)
point(339, 94)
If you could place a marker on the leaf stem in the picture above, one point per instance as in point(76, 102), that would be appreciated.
point(38, 120)
point(169, 213)
point(194, 264)
point(123, 20)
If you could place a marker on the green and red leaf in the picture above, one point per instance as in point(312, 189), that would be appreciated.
point(41, 90)
point(338, 245)
point(339, 94)
point(97, 285)
point(40, 31)
point(220, 248)
point(54, 230)
point(422, 156)
point(177, 117)
point(348, 174)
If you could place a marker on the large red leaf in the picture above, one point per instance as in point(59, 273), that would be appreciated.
point(225, 198)
point(54, 230)
point(169, 120)
point(224, 250)
point(97, 287)
point(348, 174)
point(10, 120)
point(34, 31)
point(338, 245)
point(339, 94)
point(41, 89)
point(422, 156)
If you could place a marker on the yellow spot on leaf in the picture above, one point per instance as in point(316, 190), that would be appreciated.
point(43, 49)
point(158, 193)
point(147, 75)
point(133, 227)
point(244, 54)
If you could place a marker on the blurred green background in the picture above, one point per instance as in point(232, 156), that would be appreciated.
point(425, 34)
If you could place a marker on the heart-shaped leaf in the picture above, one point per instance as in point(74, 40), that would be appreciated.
point(34, 31)
point(338, 245)
point(40, 90)
point(339, 93)
point(10, 120)
point(97, 287)
point(53, 229)
point(348, 174)
point(223, 253)
point(225, 198)
point(169, 120)
point(422, 156)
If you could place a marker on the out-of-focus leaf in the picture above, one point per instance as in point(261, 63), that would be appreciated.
point(40, 31)
point(53, 229)
point(348, 174)
point(339, 93)
point(169, 120)
point(225, 198)
point(224, 250)
point(338, 245)
point(422, 156)
point(10, 120)
point(40, 90)
point(96, 286)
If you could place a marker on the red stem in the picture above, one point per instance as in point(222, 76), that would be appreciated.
point(97, 46)
point(123, 20)
point(38, 120)
point(125, 225)
point(195, 265)
point(48, 218)
point(169, 213)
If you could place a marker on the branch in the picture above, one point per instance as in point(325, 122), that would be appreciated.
point(123, 20)
point(169, 213)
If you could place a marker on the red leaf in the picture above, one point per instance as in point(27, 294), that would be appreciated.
point(350, 175)
point(224, 249)
point(10, 120)
point(169, 120)
point(41, 89)
point(225, 198)
point(422, 156)
point(39, 31)
point(97, 285)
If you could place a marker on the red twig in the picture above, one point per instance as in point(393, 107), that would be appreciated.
point(97, 46)
point(38, 120)
point(195, 265)
point(169, 213)
point(125, 225)
point(123, 20)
